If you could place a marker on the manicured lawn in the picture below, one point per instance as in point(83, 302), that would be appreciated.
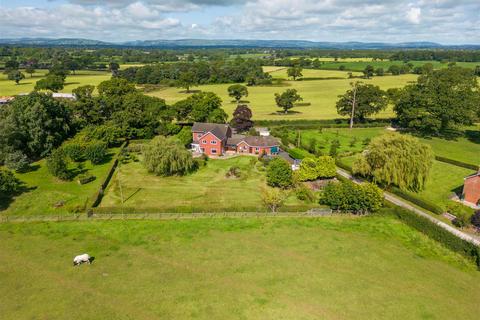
point(319, 96)
point(466, 148)
point(443, 181)
point(353, 140)
point(325, 268)
point(44, 190)
point(81, 78)
point(206, 189)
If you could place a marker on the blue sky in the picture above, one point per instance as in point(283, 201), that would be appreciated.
point(443, 21)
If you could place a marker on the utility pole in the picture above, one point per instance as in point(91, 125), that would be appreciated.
point(354, 101)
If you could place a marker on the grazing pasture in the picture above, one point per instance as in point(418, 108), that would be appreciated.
point(204, 190)
point(80, 78)
point(385, 64)
point(43, 191)
point(319, 96)
point(311, 74)
point(330, 268)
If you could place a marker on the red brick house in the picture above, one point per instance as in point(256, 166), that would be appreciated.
point(217, 139)
point(471, 189)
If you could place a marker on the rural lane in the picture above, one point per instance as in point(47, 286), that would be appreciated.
point(404, 204)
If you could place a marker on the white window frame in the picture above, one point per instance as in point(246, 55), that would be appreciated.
point(204, 141)
point(213, 142)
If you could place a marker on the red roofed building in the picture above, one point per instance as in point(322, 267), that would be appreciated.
point(217, 139)
point(471, 189)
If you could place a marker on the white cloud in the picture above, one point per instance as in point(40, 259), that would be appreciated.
point(414, 15)
point(445, 21)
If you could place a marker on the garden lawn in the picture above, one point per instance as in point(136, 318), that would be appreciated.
point(207, 189)
point(44, 190)
point(81, 78)
point(313, 268)
point(444, 180)
point(319, 97)
point(354, 140)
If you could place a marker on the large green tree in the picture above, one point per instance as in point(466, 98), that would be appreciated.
point(360, 101)
point(350, 197)
point(16, 75)
point(294, 72)
point(314, 168)
point(279, 173)
point(440, 101)
point(187, 80)
point(34, 124)
point(51, 82)
point(201, 107)
point(287, 99)
point(237, 91)
point(167, 156)
point(395, 159)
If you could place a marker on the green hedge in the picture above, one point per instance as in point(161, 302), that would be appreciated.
point(325, 123)
point(437, 233)
point(97, 197)
point(457, 163)
point(344, 166)
point(427, 205)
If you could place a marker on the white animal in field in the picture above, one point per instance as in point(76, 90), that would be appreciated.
point(83, 258)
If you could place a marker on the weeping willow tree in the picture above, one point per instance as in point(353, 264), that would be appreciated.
point(167, 156)
point(395, 159)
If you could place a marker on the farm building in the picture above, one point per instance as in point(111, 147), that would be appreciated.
point(471, 189)
point(217, 139)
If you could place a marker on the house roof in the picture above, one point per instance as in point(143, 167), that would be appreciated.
point(473, 175)
point(219, 130)
point(235, 139)
point(260, 141)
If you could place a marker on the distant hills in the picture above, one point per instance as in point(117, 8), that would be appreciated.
point(204, 43)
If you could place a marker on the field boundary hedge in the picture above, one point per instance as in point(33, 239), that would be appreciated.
point(325, 123)
point(97, 197)
point(439, 234)
point(457, 163)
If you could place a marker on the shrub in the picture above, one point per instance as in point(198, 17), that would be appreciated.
point(57, 164)
point(304, 193)
point(96, 152)
point(462, 214)
point(233, 172)
point(74, 151)
point(167, 156)
point(314, 168)
point(279, 173)
point(8, 182)
point(273, 198)
point(85, 178)
point(185, 136)
point(356, 198)
point(475, 220)
point(416, 200)
point(17, 161)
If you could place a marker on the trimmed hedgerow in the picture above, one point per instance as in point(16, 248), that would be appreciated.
point(427, 205)
point(437, 233)
point(457, 163)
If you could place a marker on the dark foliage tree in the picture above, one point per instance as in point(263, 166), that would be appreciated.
point(242, 118)
point(114, 67)
point(57, 164)
point(187, 80)
point(368, 72)
point(287, 99)
point(439, 101)
point(350, 197)
point(17, 161)
point(361, 101)
point(8, 183)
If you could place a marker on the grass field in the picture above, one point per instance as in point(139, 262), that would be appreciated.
point(310, 73)
point(326, 268)
point(360, 65)
point(319, 96)
point(205, 189)
point(81, 78)
point(45, 190)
